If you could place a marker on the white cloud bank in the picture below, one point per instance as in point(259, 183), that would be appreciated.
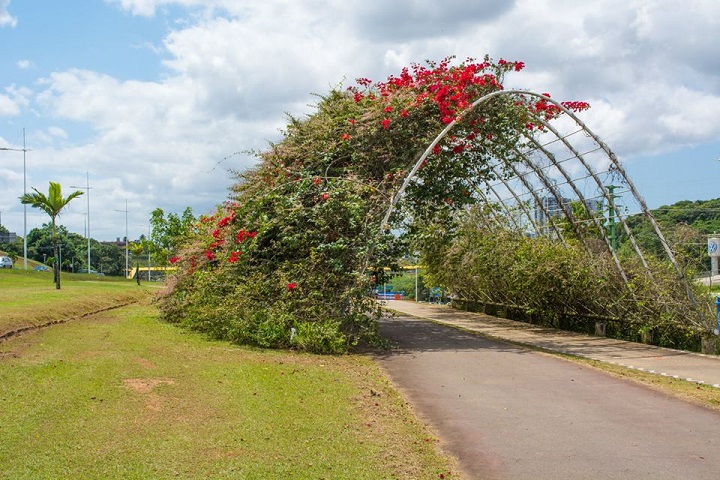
point(233, 69)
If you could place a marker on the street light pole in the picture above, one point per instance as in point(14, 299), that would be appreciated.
point(87, 187)
point(127, 263)
point(24, 150)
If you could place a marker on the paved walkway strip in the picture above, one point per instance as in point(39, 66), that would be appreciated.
point(508, 412)
point(693, 367)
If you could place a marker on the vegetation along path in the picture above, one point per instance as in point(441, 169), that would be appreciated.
point(511, 412)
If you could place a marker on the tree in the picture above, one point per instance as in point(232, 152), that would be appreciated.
point(136, 248)
point(52, 204)
point(169, 233)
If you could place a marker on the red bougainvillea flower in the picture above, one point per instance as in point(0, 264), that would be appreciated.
point(388, 109)
point(345, 137)
point(404, 114)
point(386, 123)
point(234, 256)
point(210, 255)
point(351, 121)
point(224, 221)
point(317, 181)
point(291, 286)
point(325, 195)
point(244, 234)
point(174, 260)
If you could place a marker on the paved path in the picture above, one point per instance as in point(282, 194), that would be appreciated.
point(508, 412)
point(663, 361)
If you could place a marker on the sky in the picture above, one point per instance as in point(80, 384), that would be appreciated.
point(153, 103)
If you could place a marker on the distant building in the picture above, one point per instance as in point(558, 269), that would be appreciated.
point(550, 208)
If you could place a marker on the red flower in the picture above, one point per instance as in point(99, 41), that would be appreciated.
point(388, 109)
point(325, 195)
point(351, 121)
point(234, 256)
point(243, 234)
point(386, 123)
point(210, 255)
point(345, 136)
point(317, 181)
point(291, 286)
point(404, 113)
point(174, 259)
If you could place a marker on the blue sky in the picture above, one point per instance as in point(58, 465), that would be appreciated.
point(154, 98)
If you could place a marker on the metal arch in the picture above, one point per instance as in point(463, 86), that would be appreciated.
point(521, 203)
point(604, 192)
point(492, 212)
point(597, 223)
point(631, 186)
point(527, 185)
point(611, 156)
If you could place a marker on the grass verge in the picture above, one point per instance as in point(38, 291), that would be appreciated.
point(122, 395)
point(30, 298)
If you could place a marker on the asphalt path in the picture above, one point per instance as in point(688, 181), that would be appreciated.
point(508, 412)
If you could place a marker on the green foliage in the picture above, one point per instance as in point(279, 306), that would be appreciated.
point(686, 222)
point(53, 203)
point(551, 284)
point(290, 259)
point(169, 233)
point(106, 258)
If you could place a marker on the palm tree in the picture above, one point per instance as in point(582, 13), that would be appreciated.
point(52, 204)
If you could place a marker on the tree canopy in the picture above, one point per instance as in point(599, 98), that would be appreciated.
point(53, 203)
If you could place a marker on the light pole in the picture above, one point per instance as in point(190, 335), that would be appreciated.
point(87, 187)
point(127, 264)
point(24, 150)
point(147, 246)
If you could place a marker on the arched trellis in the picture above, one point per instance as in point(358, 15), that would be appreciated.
point(541, 169)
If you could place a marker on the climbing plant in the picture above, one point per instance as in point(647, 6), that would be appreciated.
point(290, 259)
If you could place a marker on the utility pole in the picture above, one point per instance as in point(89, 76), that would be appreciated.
point(24, 150)
point(127, 263)
point(87, 187)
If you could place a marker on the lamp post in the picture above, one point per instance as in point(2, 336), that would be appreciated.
point(127, 263)
point(24, 150)
point(87, 187)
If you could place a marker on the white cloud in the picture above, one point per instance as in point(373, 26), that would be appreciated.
point(8, 106)
point(233, 69)
point(23, 64)
point(5, 18)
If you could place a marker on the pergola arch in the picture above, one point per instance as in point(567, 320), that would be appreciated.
point(538, 169)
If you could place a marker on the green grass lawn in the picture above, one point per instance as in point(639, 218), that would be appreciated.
point(121, 395)
point(30, 298)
